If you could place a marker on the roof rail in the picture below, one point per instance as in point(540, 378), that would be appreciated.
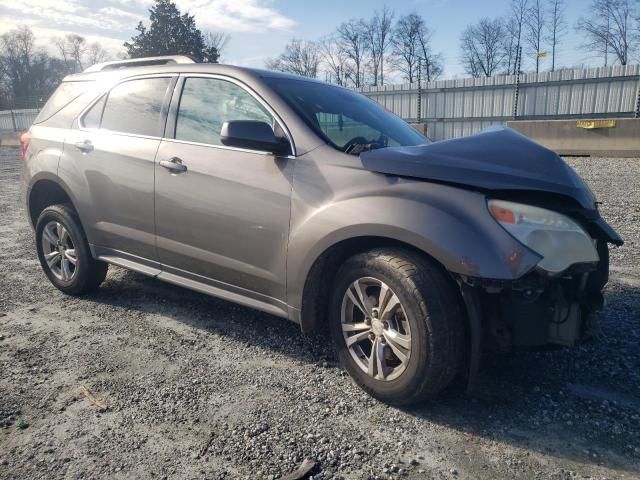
point(139, 62)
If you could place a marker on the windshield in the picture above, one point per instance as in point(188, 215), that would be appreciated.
point(350, 122)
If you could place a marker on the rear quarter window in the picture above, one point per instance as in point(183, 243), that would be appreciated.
point(64, 95)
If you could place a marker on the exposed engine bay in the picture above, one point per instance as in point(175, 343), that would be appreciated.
point(538, 310)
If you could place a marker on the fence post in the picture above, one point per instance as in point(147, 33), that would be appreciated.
point(516, 92)
point(13, 120)
point(419, 116)
point(637, 114)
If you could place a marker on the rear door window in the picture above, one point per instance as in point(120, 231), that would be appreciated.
point(135, 107)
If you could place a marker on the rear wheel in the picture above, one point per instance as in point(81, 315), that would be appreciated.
point(64, 253)
point(397, 325)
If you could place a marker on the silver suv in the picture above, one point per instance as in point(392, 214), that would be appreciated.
point(313, 203)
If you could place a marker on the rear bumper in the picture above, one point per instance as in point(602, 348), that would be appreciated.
point(24, 192)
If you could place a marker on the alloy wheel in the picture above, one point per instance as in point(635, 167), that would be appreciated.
point(376, 329)
point(59, 251)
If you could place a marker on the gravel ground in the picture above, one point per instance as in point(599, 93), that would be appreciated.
point(146, 380)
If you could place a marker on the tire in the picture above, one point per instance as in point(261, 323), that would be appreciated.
point(73, 279)
point(430, 312)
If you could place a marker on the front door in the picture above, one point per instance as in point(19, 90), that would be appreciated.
point(222, 217)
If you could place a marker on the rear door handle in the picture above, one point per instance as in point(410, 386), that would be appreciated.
point(85, 146)
point(174, 165)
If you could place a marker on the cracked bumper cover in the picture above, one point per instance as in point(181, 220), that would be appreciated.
point(538, 310)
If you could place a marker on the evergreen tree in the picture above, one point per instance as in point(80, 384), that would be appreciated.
point(170, 33)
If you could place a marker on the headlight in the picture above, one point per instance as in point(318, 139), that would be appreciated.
point(556, 237)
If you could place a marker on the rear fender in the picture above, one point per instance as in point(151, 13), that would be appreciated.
point(50, 177)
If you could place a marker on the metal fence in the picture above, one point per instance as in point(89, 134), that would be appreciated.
point(10, 102)
point(453, 108)
point(17, 120)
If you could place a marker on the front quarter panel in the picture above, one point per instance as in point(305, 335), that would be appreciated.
point(334, 199)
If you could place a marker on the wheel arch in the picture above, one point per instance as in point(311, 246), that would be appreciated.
point(44, 192)
point(314, 305)
point(452, 228)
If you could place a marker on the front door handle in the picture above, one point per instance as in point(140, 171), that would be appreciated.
point(174, 165)
point(85, 146)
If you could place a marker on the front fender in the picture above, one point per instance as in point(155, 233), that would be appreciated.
point(451, 225)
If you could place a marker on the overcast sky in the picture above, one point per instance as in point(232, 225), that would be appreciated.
point(260, 28)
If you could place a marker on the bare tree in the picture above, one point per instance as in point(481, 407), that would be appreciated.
point(218, 41)
point(432, 64)
point(482, 46)
point(352, 41)
point(299, 57)
point(412, 46)
point(335, 63)
point(77, 54)
point(72, 49)
point(608, 28)
point(406, 46)
point(378, 32)
point(637, 33)
point(535, 22)
point(18, 49)
point(96, 54)
point(514, 27)
point(77, 48)
point(27, 71)
point(60, 44)
point(510, 44)
point(557, 27)
point(623, 41)
point(5, 86)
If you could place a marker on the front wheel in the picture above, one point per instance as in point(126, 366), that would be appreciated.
point(397, 323)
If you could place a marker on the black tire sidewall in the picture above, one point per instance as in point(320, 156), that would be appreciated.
point(65, 216)
point(405, 387)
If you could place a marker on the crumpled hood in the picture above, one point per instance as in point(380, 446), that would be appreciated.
point(497, 158)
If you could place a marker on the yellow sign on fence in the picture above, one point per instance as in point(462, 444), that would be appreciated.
point(591, 124)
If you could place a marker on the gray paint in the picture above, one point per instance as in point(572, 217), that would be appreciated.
point(335, 198)
point(248, 226)
point(497, 159)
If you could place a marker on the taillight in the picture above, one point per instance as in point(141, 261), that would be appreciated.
point(25, 138)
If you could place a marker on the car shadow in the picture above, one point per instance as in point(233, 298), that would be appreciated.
point(580, 404)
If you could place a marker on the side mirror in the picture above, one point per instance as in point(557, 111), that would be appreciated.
point(253, 135)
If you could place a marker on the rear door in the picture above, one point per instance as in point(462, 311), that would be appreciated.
point(224, 220)
point(111, 166)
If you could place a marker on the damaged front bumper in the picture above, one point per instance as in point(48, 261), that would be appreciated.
point(539, 310)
